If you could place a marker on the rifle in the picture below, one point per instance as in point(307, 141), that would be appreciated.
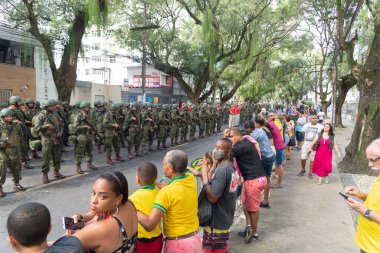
point(84, 119)
point(23, 126)
point(57, 134)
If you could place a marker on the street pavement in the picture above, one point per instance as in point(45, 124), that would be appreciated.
point(304, 216)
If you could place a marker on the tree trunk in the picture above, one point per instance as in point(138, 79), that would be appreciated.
point(343, 87)
point(367, 126)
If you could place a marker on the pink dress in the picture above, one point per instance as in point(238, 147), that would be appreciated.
point(322, 165)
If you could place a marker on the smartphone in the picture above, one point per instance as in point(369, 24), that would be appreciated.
point(343, 195)
point(68, 223)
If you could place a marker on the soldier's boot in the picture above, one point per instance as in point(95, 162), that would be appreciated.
point(18, 187)
point(25, 165)
point(164, 145)
point(176, 142)
point(58, 175)
point(172, 143)
point(90, 166)
point(79, 169)
point(150, 148)
point(118, 158)
point(45, 178)
point(109, 161)
point(130, 153)
point(35, 154)
point(159, 146)
point(145, 150)
point(100, 151)
point(2, 193)
point(123, 144)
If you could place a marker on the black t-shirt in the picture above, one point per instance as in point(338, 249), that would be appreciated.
point(248, 160)
point(66, 244)
point(224, 186)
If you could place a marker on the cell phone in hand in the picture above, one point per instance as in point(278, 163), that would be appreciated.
point(343, 195)
point(68, 223)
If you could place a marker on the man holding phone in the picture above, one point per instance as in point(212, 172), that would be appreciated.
point(368, 231)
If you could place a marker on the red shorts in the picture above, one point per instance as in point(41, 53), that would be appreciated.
point(252, 193)
point(154, 246)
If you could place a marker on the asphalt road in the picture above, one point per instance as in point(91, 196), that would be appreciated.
point(71, 195)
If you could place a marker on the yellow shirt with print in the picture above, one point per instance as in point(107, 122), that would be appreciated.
point(143, 199)
point(368, 233)
point(179, 202)
point(278, 123)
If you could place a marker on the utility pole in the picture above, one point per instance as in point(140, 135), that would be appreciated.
point(143, 63)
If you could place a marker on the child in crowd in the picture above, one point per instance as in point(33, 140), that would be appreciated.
point(207, 160)
point(143, 199)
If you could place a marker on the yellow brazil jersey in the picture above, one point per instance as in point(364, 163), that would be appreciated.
point(143, 199)
point(368, 233)
point(278, 123)
point(179, 202)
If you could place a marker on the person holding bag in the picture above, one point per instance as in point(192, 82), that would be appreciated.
point(324, 143)
point(221, 181)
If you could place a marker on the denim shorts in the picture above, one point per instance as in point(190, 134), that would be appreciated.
point(267, 163)
point(299, 136)
point(280, 156)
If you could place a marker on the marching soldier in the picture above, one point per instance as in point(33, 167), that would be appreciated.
point(19, 118)
point(194, 118)
point(10, 153)
point(49, 127)
point(133, 125)
point(175, 122)
point(98, 115)
point(184, 122)
point(112, 133)
point(147, 118)
point(202, 121)
point(163, 124)
point(84, 128)
point(30, 112)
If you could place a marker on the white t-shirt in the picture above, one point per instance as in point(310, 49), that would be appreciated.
point(311, 131)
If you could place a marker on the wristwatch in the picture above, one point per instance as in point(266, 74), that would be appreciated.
point(367, 213)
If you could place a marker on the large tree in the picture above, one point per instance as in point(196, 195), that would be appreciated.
point(197, 40)
point(367, 126)
point(58, 25)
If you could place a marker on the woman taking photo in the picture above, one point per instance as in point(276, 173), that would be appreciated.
point(324, 143)
point(111, 225)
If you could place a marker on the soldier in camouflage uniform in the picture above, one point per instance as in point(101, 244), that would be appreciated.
point(209, 120)
point(112, 133)
point(219, 118)
point(194, 118)
point(163, 125)
point(132, 124)
point(10, 153)
point(98, 116)
point(185, 119)
point(147, 118)
point(202, 120)
point(50, 128)
point(64, 118)
point(19, 118)
point(30, 112)
point(120, 118)
point(84, 128)
point(175, 123)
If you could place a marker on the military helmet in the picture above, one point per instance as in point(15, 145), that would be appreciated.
point(6, 112)
point(165, 107)
point(97, 103)
point(29, 101)
point(38, 103)
point(84, 104)
point(47, 103)
point(114, 107)
point(14, 99)
point(3, 104)
point(78, 103)
point(52, 101)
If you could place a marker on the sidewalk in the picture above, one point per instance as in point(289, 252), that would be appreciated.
point(304, 216)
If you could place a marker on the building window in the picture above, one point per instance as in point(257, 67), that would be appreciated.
point(113, 58)
point(5, 95)
point(96, 58)
point(87, 59)
point(99, 98)
point(87, 72)
point(96, 72)
point(96, 33)
point(95, 46)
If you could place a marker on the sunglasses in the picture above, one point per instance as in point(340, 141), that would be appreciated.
point(374, 160)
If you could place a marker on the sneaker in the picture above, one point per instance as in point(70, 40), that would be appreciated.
point(243, 233)
point(326, 180)
point(267, 206)
point(301, 173)
point(249, 235)
point(255, 237)
point(320, 181)
point(310, 176)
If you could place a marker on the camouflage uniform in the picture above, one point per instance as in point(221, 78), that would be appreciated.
point(175, 122)
point(84, 128)
point(163, 124)
point(202, 121)
point(30, 113)
point(184, 123)
point(132, 124)
point(147, 118)
point(112, 134)
point(194, 118)
point(10, 152)
point(49, 127)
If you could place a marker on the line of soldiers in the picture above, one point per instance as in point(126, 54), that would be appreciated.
point(51, 126)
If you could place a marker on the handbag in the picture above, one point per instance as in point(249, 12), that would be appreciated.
point(292, 142)
point(204, 208)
